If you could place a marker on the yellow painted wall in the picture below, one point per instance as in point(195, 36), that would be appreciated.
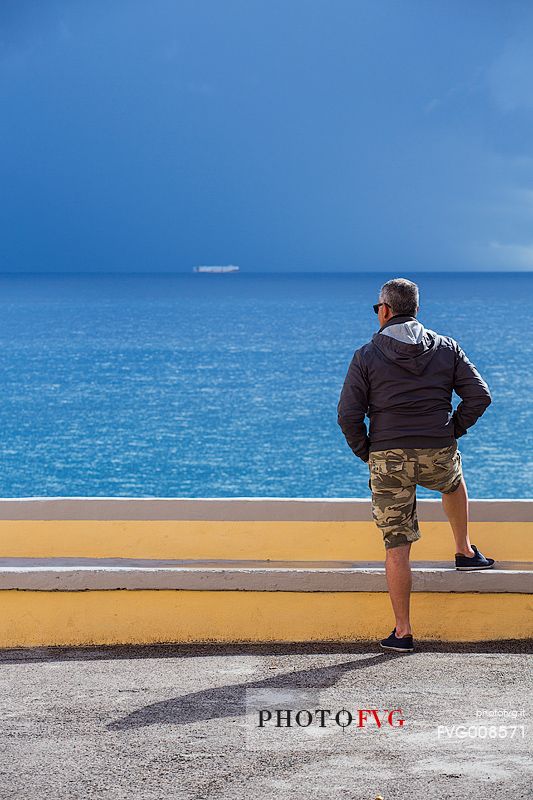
point(30, 618)
point(291, 540)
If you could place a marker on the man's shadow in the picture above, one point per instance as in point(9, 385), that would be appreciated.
point(230, 701)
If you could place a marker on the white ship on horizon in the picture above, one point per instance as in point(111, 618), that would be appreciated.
point(227, 268)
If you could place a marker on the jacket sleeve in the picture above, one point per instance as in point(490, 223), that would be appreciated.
point(473, 391)
point(353, 405)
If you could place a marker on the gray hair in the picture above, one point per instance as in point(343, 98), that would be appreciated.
point(401, 295)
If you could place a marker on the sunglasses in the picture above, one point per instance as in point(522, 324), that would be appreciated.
point(377, 305)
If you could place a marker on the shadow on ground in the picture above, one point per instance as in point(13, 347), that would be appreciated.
point(209, 649)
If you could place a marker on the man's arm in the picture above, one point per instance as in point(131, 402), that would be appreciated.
point(353, 405)
point(473, 390)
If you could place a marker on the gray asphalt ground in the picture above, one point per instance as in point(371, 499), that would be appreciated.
point(180, 721)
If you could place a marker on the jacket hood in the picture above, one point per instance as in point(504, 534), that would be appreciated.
point(404, 341)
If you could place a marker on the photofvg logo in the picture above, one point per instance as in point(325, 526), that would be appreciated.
point(281, 719)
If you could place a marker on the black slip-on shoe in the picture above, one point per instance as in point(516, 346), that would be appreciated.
point(399, 645)
point(470, 563)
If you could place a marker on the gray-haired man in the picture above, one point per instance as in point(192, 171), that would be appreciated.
point(403, 379)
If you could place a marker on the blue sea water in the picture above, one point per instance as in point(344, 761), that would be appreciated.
point(195, 385)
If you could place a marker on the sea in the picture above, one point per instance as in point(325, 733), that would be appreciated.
point(226, 385)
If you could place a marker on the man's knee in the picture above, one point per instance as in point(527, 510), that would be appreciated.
point(397, 551)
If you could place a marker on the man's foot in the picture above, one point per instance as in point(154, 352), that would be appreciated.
point(403, 644)
point(470, 563)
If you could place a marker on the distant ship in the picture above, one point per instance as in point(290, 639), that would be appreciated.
point(228, 268)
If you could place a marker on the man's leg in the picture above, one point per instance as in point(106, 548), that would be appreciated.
point(393, 484)
point(398, 571)
point(455, 506)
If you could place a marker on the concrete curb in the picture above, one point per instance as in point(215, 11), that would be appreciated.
point(242, 508)
point(86, 574)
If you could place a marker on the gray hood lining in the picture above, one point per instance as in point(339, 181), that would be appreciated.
point(410, 332)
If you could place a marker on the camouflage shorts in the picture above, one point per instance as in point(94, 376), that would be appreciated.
point(394, 475)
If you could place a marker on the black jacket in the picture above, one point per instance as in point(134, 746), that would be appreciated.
point(403, 380)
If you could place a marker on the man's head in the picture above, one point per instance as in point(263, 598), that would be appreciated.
point(398, 296)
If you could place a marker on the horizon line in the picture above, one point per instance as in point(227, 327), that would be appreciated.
point(278, 272)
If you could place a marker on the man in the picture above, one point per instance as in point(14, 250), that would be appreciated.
point(403, 379)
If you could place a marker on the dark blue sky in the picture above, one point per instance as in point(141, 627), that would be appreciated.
point(292, 135)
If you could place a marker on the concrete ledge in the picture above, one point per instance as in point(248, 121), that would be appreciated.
point(82, 574)
point(242, 508)
point(89, 571)
point(245, 528)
